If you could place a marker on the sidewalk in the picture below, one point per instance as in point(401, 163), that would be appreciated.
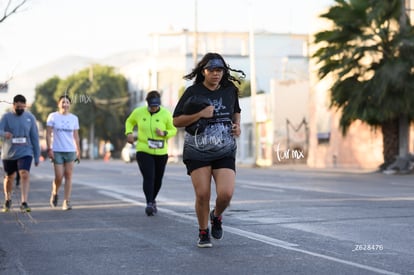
point(305, 167)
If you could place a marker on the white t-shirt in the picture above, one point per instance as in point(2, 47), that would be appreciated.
point(63, 128)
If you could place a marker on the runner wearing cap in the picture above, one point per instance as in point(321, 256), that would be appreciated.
point(154, 126)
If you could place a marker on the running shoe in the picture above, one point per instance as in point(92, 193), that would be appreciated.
point(25, 207)
point(204, 238)
point(149, 210)
point(66, 205)
point(7, 206)
point(154, 207)
point(216, 229)
point(53, 200)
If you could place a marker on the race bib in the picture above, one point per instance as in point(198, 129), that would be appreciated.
point(19, 140)
point(155, 144)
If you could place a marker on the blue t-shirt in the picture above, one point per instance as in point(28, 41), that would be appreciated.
point(25, 140)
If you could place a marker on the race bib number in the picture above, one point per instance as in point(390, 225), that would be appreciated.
point(19, 140)
point(155, 144)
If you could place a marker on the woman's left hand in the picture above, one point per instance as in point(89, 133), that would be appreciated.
point(235, 129)
point(50, 154)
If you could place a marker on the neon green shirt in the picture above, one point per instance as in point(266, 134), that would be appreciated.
point(148, 141)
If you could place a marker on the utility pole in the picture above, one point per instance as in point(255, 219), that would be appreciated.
point(402, 161)
point(253, 87)
point(195, 50)
point(92, 125)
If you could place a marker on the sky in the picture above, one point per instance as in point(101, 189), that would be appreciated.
point(45, 30)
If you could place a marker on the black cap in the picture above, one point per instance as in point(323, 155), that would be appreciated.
point(214, 63)
point(154, 101)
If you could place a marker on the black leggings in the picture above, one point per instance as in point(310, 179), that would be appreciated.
point(152, 168)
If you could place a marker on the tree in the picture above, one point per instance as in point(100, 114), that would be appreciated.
point(99, 98)
point(369, 52)
point(10, 8)
point(245, 89)
point(45, 102)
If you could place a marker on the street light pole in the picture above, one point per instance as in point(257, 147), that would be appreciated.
point(195, 50)
point(253, 86)
point(92, 125)
point(402, 161)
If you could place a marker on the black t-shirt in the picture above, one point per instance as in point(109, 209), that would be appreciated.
point(216, 141)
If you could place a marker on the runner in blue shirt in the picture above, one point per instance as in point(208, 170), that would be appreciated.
point(20, 136)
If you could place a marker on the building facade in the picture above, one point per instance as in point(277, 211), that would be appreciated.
point(280, 59)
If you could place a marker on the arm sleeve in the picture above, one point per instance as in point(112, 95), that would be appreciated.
point(34, 136)
point(50, 120)
point(170, 128)
point(2, 126)
point(179, 107)
point(237, 103)
point(76, 123)
point(130, 122)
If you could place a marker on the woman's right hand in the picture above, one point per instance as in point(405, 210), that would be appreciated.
point(207, 112)
point(8, 135)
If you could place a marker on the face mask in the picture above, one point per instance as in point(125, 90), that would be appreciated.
point(19, 112)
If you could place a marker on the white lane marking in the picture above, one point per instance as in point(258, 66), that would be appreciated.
point(263, 188)
point(247, 234)
point(257, 237)
point(275, 187)
point(334, 259)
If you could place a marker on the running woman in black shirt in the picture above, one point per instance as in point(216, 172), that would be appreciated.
point(210, 111)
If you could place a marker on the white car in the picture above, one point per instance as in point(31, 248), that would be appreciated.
point(128, 153)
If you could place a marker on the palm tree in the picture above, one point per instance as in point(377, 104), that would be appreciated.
point(369, 51)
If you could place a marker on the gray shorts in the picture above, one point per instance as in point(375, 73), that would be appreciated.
point(63, 157)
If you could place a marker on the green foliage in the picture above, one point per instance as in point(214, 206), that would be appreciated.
point(99, 96)
point(369, 51)
point(45, 102)
point(245, 89)
point(181, 91)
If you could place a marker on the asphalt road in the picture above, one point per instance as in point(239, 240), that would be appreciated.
point(283, 220)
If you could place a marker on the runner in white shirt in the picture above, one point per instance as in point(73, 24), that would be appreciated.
point(63, 149)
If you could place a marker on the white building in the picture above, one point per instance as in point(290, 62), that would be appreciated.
point(281, 69)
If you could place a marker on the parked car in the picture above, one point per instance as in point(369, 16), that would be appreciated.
point(128, 153)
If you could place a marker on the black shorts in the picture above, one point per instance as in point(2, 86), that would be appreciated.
point(11, 166)
point(227, 162)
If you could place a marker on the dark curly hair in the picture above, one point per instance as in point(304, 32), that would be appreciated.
point(227, 77)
